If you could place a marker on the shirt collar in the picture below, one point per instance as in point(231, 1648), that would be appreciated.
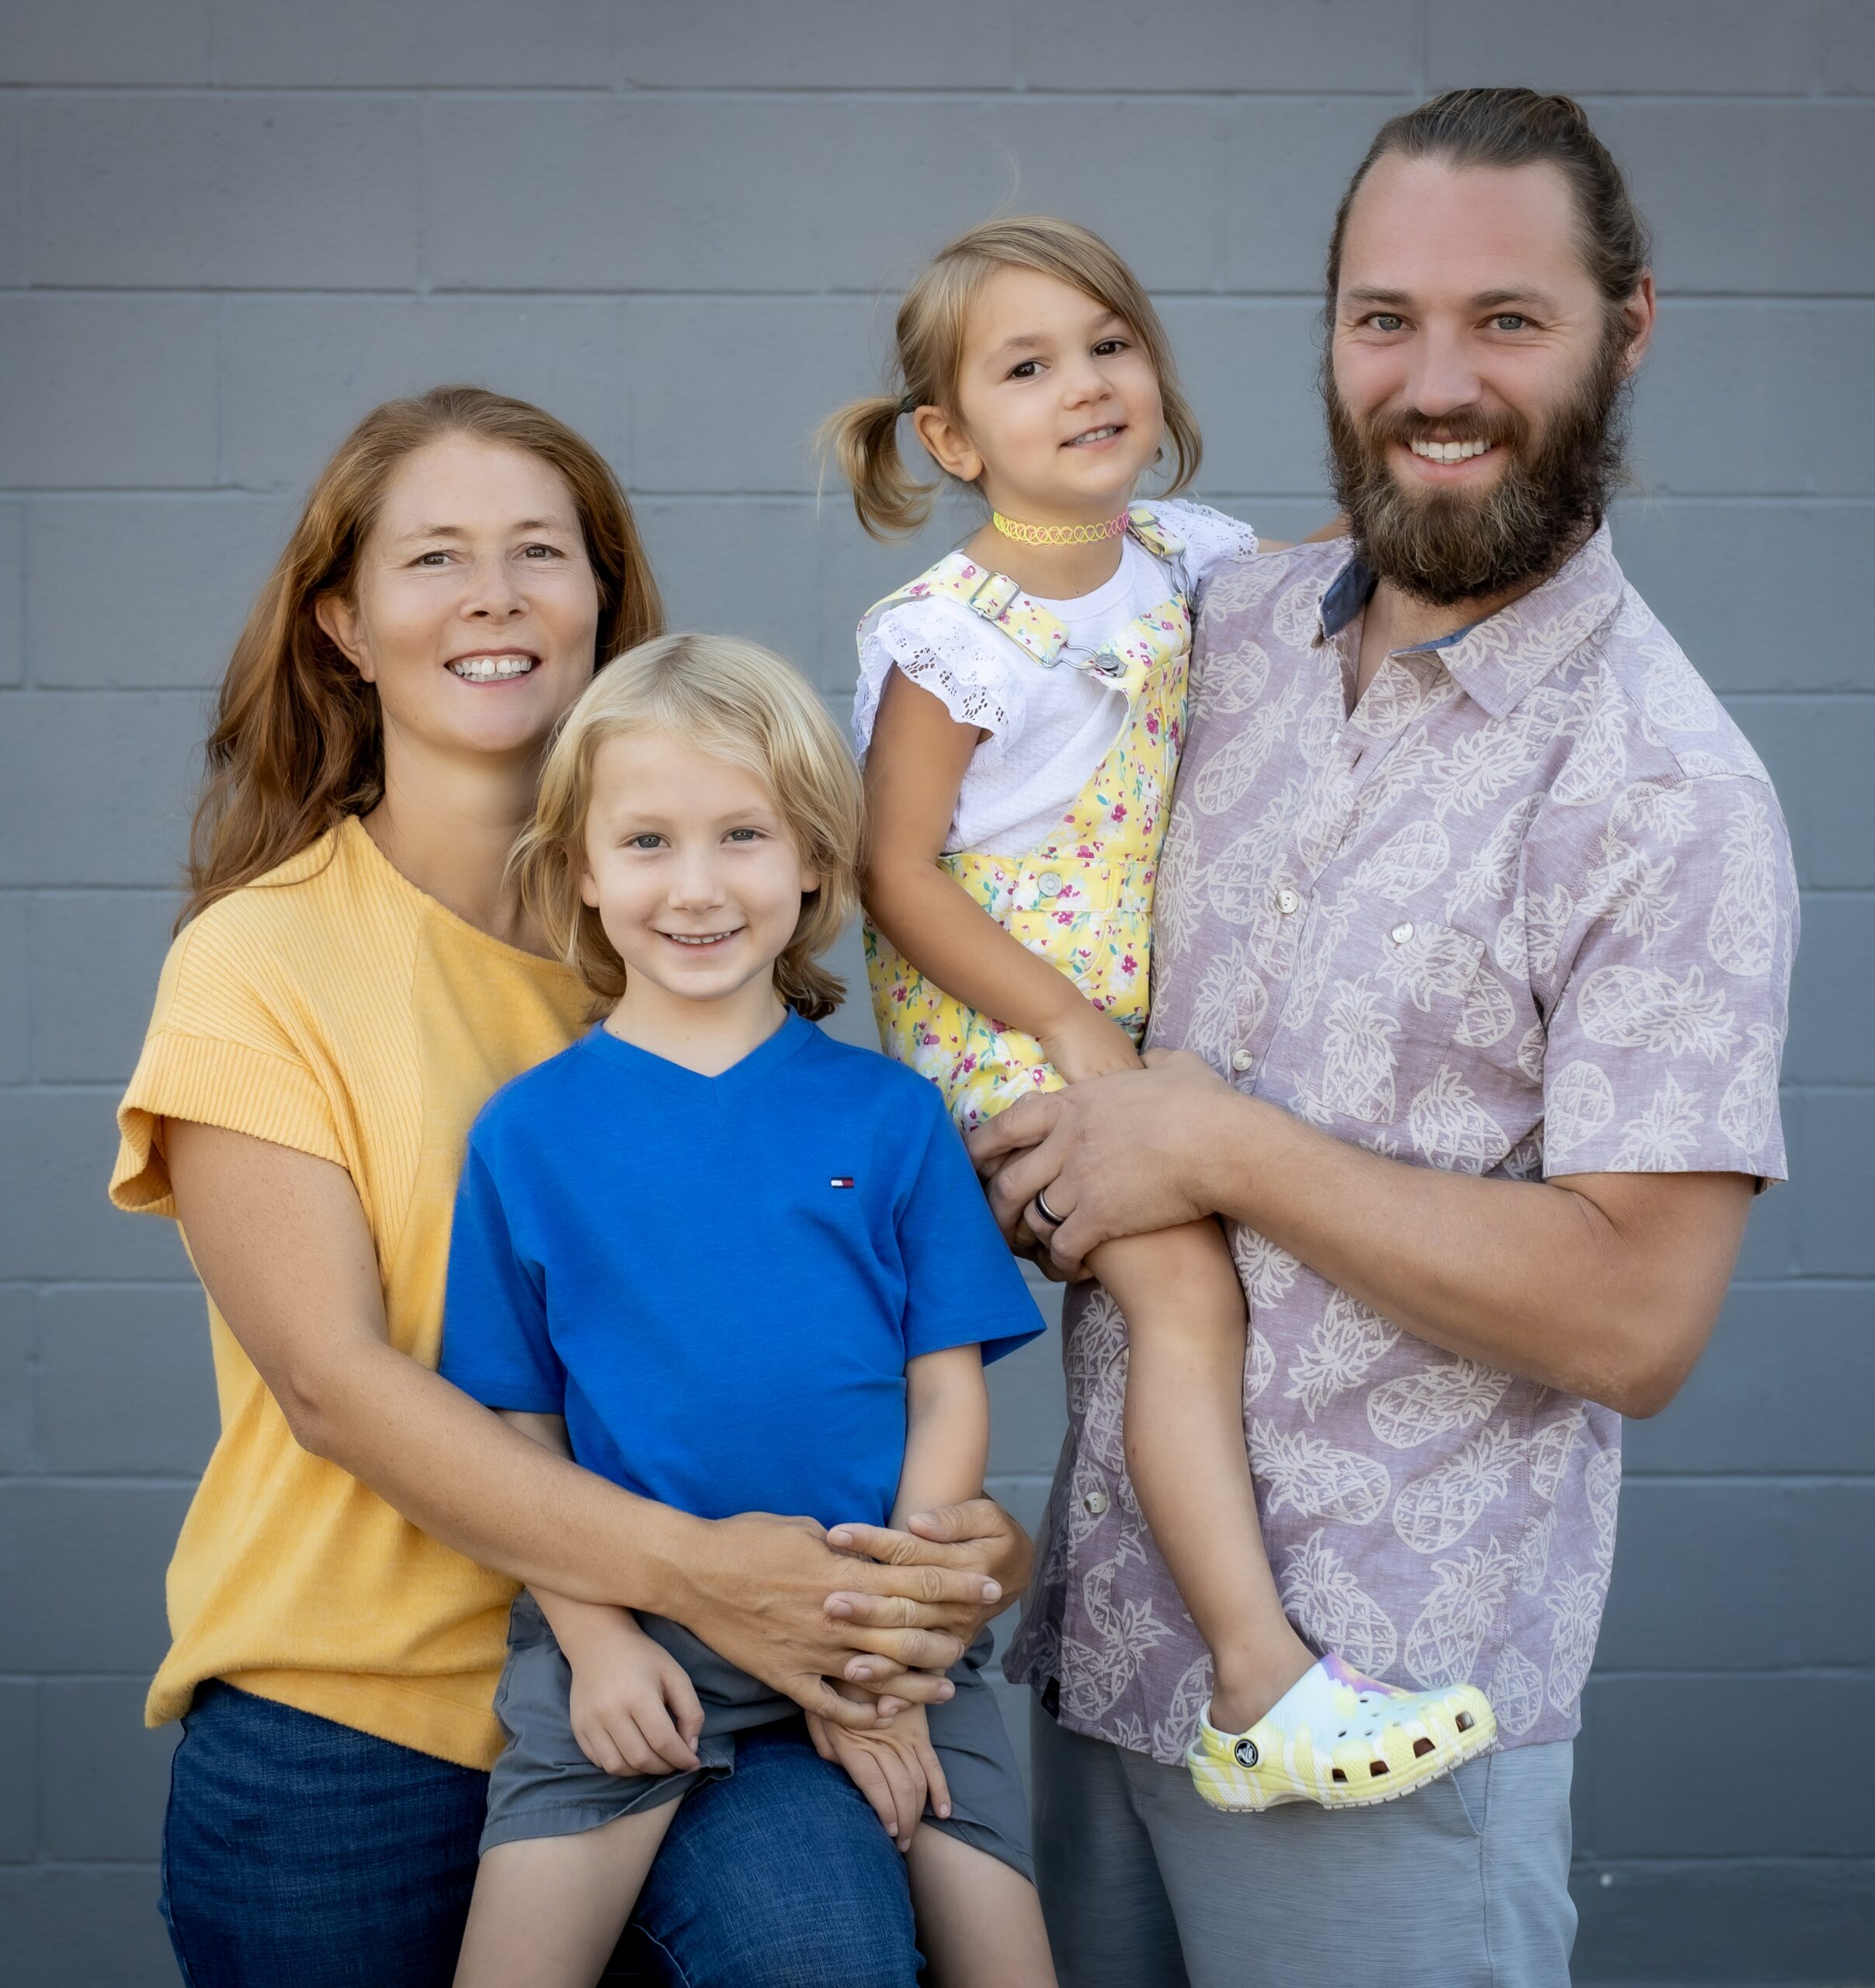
point(1497, 661)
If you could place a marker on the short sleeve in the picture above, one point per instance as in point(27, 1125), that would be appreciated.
point(1211, 538)
point(221, 1052)
point(943, 647)
point(495, 1344)
point(1669, 984)
point(962, 1285)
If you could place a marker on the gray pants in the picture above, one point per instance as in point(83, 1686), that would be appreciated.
point(1463, 1883)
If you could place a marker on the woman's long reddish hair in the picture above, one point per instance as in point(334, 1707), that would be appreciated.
point(298, 742)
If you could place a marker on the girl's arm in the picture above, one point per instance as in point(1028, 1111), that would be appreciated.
point(915, 769)
point(280, 1241)
point(947, 1430)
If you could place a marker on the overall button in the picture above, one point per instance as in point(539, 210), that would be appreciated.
point(1402, 932)
point(1049, 883)
point(1095, 1503)
point(1288, 903)
point(1241, 1060)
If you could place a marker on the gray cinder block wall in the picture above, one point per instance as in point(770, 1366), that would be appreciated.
point(228, 227)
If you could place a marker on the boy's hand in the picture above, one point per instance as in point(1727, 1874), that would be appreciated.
point(894, 1768)
point(633, 1707)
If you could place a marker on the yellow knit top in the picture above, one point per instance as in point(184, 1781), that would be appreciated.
point(332, 1007)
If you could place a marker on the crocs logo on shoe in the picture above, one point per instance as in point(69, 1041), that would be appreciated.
point(1245, 1752)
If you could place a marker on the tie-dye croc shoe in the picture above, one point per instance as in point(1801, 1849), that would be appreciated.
point(1341, 1739)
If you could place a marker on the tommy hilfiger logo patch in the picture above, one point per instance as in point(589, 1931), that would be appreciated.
point(841, 1181)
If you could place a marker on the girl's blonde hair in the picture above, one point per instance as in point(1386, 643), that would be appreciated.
point(862, 436)
point(298, 742)
point(740, 703)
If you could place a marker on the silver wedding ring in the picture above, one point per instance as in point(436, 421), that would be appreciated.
point(1047, 1213)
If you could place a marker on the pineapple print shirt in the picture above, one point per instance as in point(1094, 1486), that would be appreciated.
point(1527, 910)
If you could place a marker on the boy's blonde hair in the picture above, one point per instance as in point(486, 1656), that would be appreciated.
point(737, 701)
point(862, 436)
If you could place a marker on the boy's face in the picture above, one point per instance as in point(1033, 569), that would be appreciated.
point(692, 869)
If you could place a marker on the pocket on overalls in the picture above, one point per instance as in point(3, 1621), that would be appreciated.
point(1075, 915)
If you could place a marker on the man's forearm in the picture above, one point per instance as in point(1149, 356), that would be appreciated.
point(1535, 1278)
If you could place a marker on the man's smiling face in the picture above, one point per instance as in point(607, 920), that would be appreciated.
point(1473, 376)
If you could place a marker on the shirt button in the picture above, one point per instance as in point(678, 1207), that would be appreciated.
point(1402, 932)
point(1288, 903)
point(1241, 1060)
point(1095, 1503)
point(1049, 883)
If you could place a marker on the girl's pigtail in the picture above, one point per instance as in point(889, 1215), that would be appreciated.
point(862, 439)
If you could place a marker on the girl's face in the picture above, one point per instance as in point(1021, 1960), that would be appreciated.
point(692, 869)
point(1060, 407)
point(475, 609)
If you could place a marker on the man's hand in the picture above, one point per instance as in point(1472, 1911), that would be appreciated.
point(1120, 1155)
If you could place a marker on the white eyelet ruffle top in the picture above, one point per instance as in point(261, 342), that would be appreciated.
point(1048, 728)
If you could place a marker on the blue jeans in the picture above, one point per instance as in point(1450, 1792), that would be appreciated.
point(299, 1850)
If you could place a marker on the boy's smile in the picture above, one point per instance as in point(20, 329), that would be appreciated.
point(696, 880)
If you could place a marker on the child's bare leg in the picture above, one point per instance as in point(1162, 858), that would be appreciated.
point(1185, 1452)
point(979, 1923)
point(549, 1910)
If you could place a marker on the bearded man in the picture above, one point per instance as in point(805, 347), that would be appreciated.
point(1470, 970)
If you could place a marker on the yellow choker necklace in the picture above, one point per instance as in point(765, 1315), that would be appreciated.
point(1059, 535)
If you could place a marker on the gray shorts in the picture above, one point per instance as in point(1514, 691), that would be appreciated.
point(1463, 1884)
point(543, 1785)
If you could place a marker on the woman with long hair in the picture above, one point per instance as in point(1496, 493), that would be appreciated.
point(354, 973)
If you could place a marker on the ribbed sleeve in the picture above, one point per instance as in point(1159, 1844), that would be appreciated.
point(213, 1082)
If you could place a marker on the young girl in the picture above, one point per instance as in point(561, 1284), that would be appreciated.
point(1019, 713)
point(735, 1266)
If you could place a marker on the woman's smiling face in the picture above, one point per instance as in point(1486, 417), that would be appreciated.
point(475, 609)
point(1060, 407)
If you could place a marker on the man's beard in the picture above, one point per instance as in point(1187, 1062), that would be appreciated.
point(1447, 546)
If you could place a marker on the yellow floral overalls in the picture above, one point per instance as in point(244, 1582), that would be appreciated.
point(1083, 901)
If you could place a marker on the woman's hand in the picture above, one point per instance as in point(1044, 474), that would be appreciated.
point(758, 1593)
point(903, 1614)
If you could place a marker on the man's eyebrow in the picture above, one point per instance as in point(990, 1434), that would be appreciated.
point(1373, 298)
point(1495, 300)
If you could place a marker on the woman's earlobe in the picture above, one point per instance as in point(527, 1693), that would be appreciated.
point(338, 619)
point(589, 890)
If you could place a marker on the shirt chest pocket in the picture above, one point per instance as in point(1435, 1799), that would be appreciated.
point(1378, 998)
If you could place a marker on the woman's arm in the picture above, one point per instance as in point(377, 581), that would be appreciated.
point(914, 768)
point(281, 1242)
point(580, 1626)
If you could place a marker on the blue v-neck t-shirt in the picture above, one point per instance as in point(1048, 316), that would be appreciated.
point(717, 1281)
